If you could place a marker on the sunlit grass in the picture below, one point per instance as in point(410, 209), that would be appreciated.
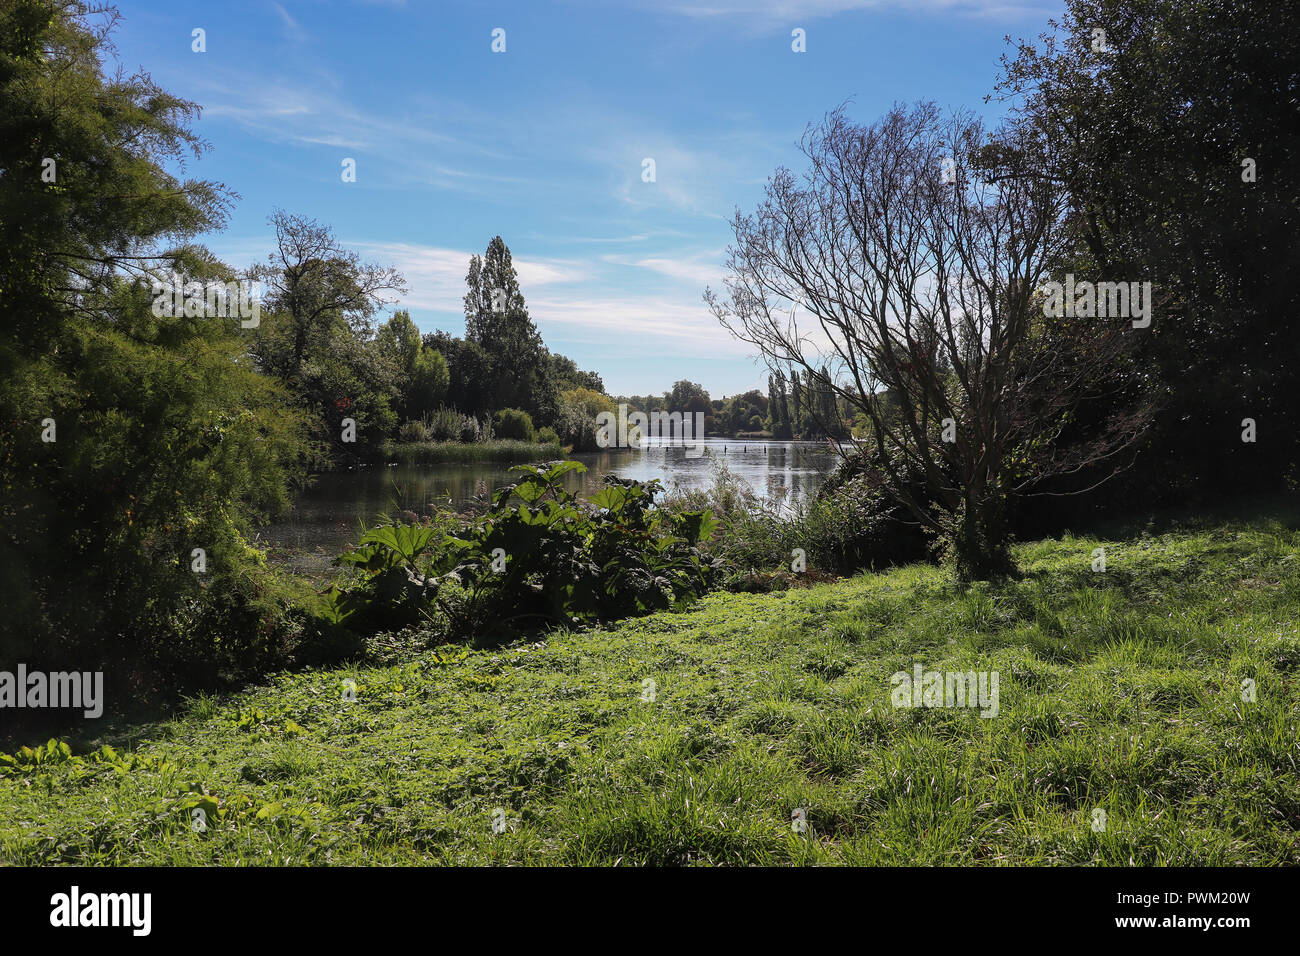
point(1120, 692)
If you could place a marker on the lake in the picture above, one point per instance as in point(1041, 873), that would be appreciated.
point(340, 505)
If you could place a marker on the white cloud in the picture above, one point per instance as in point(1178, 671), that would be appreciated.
point(294, 112)
point(292, 29)
point(436, 275)
point(637, 324)
point(698, 270)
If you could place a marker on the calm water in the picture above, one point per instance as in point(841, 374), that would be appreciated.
point(339, 506)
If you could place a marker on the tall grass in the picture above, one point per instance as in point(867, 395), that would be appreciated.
point(498, 450)
point(840, 534)
point(1159, 696)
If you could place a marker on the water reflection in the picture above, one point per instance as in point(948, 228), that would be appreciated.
point(338, 506)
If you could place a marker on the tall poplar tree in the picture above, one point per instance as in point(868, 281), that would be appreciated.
point(496, 318)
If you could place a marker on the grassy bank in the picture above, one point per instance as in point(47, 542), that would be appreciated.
point(1119, 691)
point(501, 450)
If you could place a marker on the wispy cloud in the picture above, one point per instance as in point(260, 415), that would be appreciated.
point(436, 275)
point(292, 28)
point(292, 111)
point(695, 178)
point(652, 326)
point(699, 270)
point(767, 13)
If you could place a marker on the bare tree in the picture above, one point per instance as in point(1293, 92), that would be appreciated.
point(916, 247)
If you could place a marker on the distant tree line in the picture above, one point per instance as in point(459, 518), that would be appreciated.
point(317, 337)
point(794, 408)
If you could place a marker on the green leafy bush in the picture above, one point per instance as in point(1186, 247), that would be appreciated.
point(513, 423)
point(123, 537)
point(547, 436)
point(442, 424)
point(538, 556)
point(854, 526)
point(412, 431)
point(576, 427)
point(472, 430)
point(445, 424)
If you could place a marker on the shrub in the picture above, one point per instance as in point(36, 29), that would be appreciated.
point(576, 427)
point(413, 432)
point(856, 527)
point(847, 528)
point(443, 424)
point(547, 436)
point(513, 423)
point(473, 431)
point(171, 446)
point(539, 555)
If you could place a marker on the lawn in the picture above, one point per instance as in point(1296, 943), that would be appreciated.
point(1120, 691)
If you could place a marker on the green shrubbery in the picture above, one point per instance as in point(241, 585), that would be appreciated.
point(137, 449)
point(412, 432)
point(125, 539)
point(472, 430)
point(576, 428)
point(514, 423)
point(445, 424)
point(855, 527)
point(847, 528)
point(539, 556)
point(442, 424)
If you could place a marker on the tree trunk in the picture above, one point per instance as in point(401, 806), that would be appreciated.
point(978, 545)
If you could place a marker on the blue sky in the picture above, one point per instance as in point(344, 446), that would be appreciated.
point(543, 144)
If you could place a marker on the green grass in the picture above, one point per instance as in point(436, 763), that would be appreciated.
point(498, 450)
point(1119, 691)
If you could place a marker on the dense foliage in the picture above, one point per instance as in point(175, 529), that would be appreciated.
point(1179, 145)
point(849, 526)
point(135, 450)
point(538, 556)
point(514, 423)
